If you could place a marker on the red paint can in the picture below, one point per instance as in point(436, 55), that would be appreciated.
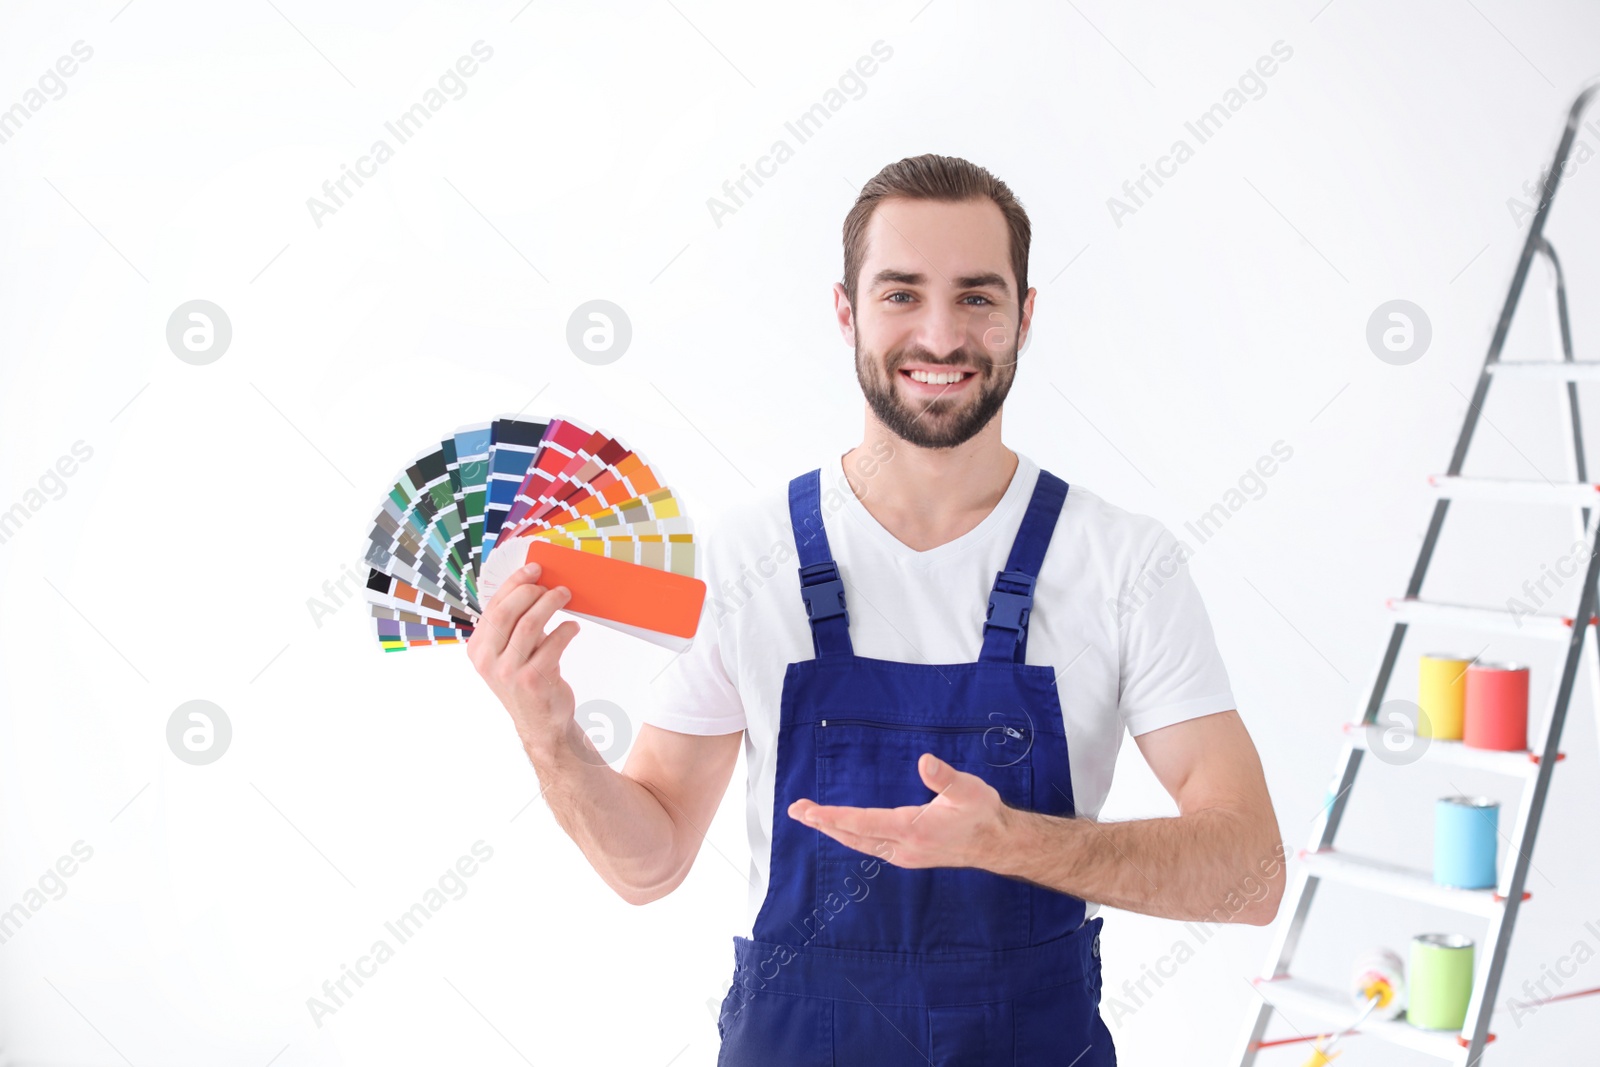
point(1496, 707)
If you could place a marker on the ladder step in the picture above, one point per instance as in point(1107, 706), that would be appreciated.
point(1581, 494)
point(1301, 1001)
point(1521, 624)
point(1549, 370)
point(1521, 764)
point(1382, 876)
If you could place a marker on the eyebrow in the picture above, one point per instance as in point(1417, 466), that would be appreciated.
point(988, 279)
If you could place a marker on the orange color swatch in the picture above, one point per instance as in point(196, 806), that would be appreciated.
point(622, 592)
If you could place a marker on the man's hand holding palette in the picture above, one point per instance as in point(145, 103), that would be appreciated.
point(494, 497)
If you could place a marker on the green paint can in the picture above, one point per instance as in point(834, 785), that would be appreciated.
point(1440, 981)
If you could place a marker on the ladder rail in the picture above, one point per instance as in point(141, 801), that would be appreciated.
point(1558, 293)
point(1531, 812)
point(1333, 813)
point(1519, 277)
point(1572, 425)
point(1301, 889)
point(1534, 243)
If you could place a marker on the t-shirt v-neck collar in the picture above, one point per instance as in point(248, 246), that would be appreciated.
point(1008, 509)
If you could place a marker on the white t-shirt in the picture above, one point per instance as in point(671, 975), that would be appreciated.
point(1114, 611)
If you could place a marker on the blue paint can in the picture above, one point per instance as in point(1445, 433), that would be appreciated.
point(1466, 837)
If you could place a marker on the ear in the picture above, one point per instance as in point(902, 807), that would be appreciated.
point(845, 314)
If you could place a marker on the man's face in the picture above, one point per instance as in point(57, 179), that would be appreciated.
point(936, 319)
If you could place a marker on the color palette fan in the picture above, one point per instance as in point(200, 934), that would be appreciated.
point(490, 498)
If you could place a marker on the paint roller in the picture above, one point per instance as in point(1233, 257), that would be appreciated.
point(1377, 988)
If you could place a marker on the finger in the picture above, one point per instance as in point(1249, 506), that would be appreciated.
point(815, 816)
point(878, 848)
point(887, 823)
point(872, 846)
point(497, 623)
point(547, 657)
point(521, 576)
point(529, 630)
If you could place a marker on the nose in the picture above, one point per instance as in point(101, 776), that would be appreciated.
point(941, 329)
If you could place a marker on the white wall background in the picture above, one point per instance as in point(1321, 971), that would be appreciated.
point(1226, 314)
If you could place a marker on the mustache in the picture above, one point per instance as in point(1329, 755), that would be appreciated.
point(960, 361)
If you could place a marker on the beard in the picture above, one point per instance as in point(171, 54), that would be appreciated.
point(940, 421)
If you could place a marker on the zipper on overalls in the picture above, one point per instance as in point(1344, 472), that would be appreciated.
point(1011, 731)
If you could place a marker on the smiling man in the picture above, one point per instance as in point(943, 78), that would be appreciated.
point(935, 653)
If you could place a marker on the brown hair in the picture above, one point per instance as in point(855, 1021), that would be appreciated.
point(930, 177)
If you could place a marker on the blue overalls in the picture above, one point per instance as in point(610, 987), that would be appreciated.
point(853, 960)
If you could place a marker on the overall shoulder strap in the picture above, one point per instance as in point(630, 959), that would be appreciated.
point(1005, 627)
point(821, 588)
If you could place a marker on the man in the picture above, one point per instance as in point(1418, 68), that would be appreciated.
point(932, 650)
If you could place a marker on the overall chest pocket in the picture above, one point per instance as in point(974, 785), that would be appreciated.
point(863, 902)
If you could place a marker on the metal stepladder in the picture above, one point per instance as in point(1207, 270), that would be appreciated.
point(1330, 1008)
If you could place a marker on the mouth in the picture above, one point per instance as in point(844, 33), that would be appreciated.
point(936, 381)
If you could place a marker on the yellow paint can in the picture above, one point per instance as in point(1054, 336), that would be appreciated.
point(1442, 695)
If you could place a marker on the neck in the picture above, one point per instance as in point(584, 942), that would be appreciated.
point(926, 497)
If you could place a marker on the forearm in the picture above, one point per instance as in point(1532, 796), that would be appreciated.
point(622, 827)
point(1212, 865)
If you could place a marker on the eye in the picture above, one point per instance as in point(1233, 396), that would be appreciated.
point(977, 296)
point(898, 292)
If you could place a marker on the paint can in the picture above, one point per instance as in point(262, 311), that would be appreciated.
point(1497, 707)
point(1441, 981)
point(1466, 837)
point(1379, 973)
point(1442, 695)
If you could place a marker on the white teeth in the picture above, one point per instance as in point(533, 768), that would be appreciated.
point(947, 378)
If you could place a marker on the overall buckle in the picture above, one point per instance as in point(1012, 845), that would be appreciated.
point(822, 590)
point(1009, 610)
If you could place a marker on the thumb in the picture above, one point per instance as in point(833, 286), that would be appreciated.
point(937, 775)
